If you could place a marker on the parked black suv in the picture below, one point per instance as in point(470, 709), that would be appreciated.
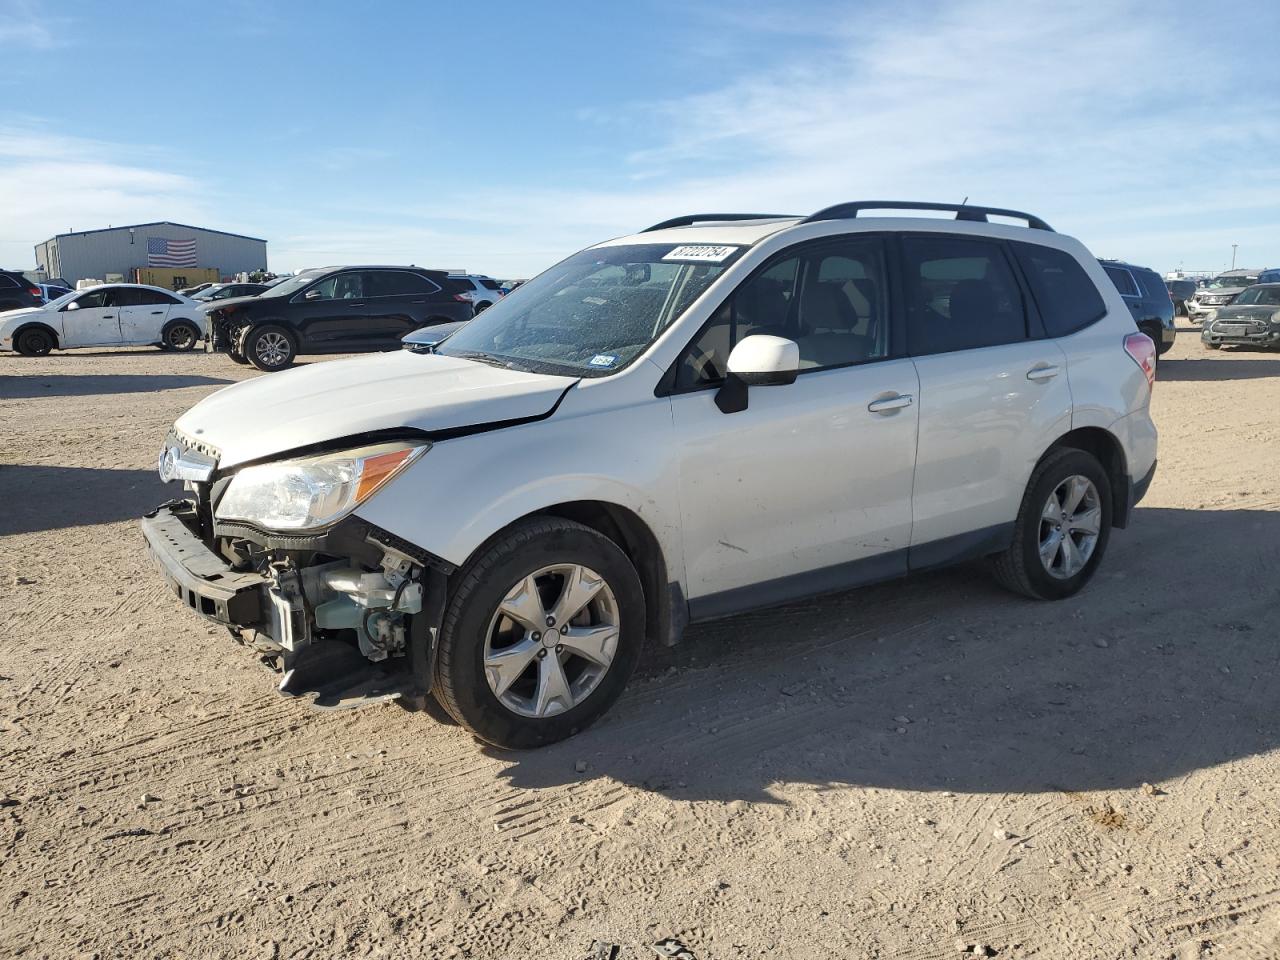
point(1148, 299)
point(16, 291)
point(333, 310)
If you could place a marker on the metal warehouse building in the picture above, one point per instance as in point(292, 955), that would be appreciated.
point(93, 254)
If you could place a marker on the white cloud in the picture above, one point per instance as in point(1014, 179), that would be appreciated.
point(50, 184)
point(1089, 115)
point(24, 24)
point(1080, 113)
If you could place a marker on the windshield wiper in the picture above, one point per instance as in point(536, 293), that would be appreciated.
point(481, 357)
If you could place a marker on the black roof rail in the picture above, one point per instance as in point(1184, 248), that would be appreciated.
point(712, 217)
point(963, 211)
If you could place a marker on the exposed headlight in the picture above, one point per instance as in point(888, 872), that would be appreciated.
point(313, 492)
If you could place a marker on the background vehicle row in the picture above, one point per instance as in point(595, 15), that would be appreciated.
point(112, 315)
point(334, 310)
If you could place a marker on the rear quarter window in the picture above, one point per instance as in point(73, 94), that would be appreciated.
point(1067, 298)
point(1123, 280)
point(1152, 286)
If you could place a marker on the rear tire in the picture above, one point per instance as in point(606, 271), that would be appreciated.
point(1157, 338)
point(477, 629)
point(1021, 567)
point(180, 335)
point(270, 348)
point(34, 343)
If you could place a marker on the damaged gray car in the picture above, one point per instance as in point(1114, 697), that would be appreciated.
point(1253, 320)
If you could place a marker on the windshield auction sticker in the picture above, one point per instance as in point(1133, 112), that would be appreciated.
point(701, 253)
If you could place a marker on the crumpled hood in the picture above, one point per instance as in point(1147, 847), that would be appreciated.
point(283, 411)
point(1221, 292)
point(208, 306)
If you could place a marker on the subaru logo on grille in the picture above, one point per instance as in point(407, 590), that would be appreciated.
point(168, 465)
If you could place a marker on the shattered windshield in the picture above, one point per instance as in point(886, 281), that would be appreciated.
point(594, 313)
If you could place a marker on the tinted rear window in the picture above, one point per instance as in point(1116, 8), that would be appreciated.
point(1152, 286)
point(489, 284)
point(1067, 298)
point(1123, 280)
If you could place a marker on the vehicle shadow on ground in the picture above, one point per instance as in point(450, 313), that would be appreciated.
point(26, 387)
point(1217, 369)
point(35, 498)
point(945, 682)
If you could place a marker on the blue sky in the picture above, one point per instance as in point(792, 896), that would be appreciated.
point(501, 136)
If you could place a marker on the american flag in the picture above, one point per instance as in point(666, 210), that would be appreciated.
point(170, 253)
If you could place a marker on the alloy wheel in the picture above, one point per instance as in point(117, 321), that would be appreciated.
point(272, 348)
point(1069, 526)
point(551, 640)
point(181, 338)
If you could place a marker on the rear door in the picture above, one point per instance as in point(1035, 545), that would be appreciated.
point(143, 314)
point(993, 392)
point(396, 303)
point(91, 320)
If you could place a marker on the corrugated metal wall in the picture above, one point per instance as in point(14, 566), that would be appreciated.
point(95, 254)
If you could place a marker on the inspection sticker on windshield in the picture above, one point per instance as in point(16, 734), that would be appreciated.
point(603, 360)
point(701, 253)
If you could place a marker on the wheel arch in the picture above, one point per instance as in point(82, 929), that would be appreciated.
point(172, 321)
point(38, 325)
point(1106, 447)
point(666, 613)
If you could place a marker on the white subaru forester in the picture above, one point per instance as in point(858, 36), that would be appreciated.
point(719, 413)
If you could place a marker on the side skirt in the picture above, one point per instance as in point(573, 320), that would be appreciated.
point(856, 573)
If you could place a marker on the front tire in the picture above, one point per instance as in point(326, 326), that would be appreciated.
point(541, 634)
point(1212, 346)
point(34, 343)
point(270, 348)
point(1062, 530)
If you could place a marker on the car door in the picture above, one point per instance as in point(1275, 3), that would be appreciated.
point(143, 314)
point(329, 315)
point(993, 392)
point(809, 488)
point(91, 320)
point(396, 304)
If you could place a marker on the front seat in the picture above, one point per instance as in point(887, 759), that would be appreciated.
point(973, 306)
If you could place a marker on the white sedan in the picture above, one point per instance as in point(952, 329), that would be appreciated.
point(111, 315)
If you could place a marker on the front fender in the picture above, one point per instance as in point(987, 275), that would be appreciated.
point(467, 489)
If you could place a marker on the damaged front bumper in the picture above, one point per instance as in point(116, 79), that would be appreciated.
point(336, 631)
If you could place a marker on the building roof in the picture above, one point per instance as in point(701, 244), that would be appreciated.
point(154, 223)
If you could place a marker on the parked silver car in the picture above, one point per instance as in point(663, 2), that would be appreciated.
point(1221, 291)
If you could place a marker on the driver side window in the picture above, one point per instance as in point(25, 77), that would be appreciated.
point(829, 297)
point(341, 286)
point(95, 299)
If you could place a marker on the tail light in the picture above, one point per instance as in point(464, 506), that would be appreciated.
point(34, 291)
point(464, 297)
point(1143, 351)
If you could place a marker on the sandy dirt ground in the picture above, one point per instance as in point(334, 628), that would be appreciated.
point(903, 771)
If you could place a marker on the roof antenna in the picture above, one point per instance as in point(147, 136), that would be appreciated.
point(965, 200)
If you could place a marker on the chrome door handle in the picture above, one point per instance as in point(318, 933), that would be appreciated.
point(1044, 371)
point(156, 313)
point(889, 404)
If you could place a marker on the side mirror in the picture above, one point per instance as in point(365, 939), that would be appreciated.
point(757, 361)
point(311, 295)
point(73, 305)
